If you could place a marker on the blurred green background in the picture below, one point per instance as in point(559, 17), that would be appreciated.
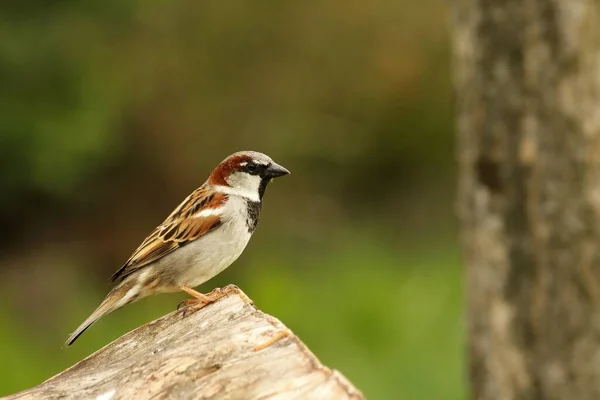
point(112, 112)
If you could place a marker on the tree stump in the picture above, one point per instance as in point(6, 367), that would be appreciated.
point(209, 354)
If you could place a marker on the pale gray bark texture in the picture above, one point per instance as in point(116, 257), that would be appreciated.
point(205, 355)
point(527, 76)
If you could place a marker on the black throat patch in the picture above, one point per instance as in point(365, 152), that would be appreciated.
point(253, 214)
point(263, 186)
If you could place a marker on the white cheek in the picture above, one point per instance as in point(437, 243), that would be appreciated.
point(245, 185)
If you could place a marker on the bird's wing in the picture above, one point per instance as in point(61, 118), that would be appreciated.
point(196, 216)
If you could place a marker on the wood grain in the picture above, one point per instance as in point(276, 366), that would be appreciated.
point(208, 354)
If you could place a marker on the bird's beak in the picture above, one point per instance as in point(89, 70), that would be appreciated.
point(275, 171)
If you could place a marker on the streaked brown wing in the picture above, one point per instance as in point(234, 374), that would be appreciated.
point(179, 229)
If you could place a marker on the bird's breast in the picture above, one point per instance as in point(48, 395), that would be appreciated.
point(204, 258)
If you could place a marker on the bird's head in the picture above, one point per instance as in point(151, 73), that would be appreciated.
point(246, 174)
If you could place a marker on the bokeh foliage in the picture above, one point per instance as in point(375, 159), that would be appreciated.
point(111, 112)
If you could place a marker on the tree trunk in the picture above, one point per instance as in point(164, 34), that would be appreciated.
point(227, 350)
point(527, 76)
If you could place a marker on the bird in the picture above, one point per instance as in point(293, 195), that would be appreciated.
point(203, 236)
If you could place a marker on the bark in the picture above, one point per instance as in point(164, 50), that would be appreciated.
point(205, 355)
point(527, 77)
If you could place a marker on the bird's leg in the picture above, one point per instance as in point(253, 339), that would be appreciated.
point(199, 300)
point(197, 295)
point(282, 334)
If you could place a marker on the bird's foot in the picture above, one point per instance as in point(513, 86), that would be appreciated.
point(199, 300)
point(280, 335)
point(189, 303)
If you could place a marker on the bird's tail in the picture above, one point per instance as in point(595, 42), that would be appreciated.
point(125, 293)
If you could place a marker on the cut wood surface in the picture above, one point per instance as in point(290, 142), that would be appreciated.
point(209, 354)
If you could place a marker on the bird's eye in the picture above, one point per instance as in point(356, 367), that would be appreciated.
point(251, 167)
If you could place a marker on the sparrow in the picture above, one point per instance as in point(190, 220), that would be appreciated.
point(203, 236)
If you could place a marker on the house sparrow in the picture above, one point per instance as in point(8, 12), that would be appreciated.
point(204, 235)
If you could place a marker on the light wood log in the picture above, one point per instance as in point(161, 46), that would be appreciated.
point(209, 354)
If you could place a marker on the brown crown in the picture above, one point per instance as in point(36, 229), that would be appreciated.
point(226, 168)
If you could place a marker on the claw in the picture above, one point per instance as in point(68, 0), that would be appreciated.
point(190, 306)
point(199, 300)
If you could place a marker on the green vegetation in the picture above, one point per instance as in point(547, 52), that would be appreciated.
point(111, 114)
